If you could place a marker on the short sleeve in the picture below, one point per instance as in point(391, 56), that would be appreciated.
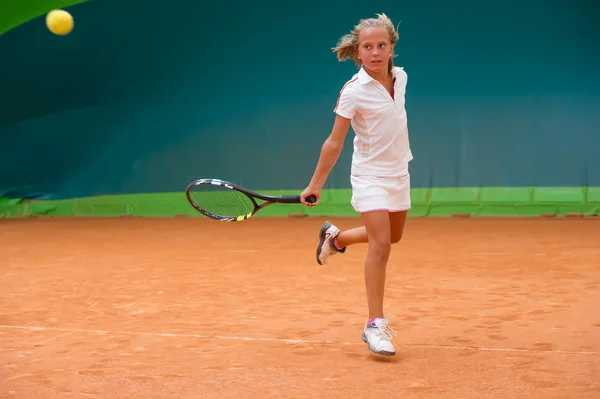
point(346, 103)
point(401, 74)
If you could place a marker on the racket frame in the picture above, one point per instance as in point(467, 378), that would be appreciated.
point(253, 195)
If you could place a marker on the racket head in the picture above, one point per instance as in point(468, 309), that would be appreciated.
point(221, 200)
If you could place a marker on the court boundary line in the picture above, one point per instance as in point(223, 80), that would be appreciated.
point(292, 341)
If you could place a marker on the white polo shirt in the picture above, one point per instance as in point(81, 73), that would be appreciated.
point(381, 144)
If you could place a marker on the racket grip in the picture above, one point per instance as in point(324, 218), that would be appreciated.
point(295, 199)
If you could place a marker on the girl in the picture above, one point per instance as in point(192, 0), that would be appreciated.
point(373, 103)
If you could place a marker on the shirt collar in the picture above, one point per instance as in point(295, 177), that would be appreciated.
point(364, 77)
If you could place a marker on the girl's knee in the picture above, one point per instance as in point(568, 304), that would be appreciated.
point(380, 250)
point(395, 238)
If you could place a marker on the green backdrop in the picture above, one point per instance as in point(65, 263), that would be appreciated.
point(120, 115)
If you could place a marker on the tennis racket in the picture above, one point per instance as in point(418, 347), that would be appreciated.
point(228, 202)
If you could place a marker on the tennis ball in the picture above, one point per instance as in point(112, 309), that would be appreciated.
point(60, 22)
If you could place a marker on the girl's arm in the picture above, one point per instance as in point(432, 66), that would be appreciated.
point(330, 152)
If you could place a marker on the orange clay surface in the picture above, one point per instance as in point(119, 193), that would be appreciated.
point(193, 308)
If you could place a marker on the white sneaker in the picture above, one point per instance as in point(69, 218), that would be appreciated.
point(378, 336)
point(326, 249)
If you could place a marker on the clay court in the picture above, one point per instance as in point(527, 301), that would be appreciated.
point(193, 308)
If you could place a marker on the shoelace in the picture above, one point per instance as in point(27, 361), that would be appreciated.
point(386, 332)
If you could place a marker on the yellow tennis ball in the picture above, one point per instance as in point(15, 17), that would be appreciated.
point(60, 22)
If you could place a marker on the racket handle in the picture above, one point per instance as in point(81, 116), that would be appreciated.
point(295, 199)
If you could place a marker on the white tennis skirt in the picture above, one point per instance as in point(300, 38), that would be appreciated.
point(381, 193)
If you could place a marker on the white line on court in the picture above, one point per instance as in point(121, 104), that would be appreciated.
point(289, 341)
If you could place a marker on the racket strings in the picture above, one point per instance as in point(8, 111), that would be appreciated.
point(221, 201)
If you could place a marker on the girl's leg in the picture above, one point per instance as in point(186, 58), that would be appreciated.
point(358, 235)
point(332, 240)
point(376, 334)
point(377, 227)
point(381, 229)
point(397, 223)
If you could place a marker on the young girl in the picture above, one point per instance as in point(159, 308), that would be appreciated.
point(373, 103)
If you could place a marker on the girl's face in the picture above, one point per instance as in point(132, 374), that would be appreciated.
point(375, 49)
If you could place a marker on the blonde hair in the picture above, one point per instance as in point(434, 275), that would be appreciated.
point(347, 46)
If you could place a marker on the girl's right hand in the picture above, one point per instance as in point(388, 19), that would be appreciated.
point(310, 191)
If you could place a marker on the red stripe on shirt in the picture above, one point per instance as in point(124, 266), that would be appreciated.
point(341, 91)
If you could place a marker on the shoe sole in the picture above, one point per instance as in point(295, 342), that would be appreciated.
point(322, 234)
point(384, 353)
